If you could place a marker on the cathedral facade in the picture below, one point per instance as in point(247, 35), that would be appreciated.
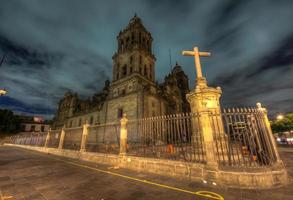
point(133, 90)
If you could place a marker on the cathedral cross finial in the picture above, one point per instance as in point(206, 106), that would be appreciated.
point(196, 53)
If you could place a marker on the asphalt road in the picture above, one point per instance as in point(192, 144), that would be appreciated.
point(31, 175)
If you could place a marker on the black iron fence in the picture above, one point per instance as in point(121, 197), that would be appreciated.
point(72, 139)
point(54, 138)
point(241, 138)
point(168, 137)
point(34, 138)
point(104, 138)
point(245, 139)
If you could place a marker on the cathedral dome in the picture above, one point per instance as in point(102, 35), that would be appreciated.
point(177, 68)
point(135, 19)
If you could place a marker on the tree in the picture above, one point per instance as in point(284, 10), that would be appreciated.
point(285, 124)
point(9, 123)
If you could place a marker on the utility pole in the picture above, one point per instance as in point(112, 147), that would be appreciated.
point(2, 91)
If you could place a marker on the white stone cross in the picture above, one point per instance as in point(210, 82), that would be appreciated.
point(196, 55)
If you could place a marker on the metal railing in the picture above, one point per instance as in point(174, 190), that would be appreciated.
point(72, 138)
point(104, 138)
point(34, 139)
point(241, 138)
point(54, 138)
point(169, 137)
point(245, 141)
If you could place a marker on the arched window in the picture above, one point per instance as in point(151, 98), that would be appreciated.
point(150, 71)
point(117, 70)
point(132, 38)
point(130, 59)
point(91, 120)
point(145, 70)
point(127, 42)
point(122, 45)
point(124, 70)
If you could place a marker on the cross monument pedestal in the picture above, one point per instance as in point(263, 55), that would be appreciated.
point(205, 101)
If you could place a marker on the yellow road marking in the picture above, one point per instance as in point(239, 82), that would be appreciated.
point(206, 194)
point(5, 197)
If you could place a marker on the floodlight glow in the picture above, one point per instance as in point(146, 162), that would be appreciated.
point(280, 117)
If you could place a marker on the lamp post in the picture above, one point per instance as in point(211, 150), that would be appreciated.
point(3, 92)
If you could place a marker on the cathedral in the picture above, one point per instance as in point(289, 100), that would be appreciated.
point(133, 90)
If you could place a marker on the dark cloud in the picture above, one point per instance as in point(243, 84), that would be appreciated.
point(58, 45)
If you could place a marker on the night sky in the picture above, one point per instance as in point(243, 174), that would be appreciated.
point(58, 45)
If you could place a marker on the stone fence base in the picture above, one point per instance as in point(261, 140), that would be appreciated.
point(267, 178)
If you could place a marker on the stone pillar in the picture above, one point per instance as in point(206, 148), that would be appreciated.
point(85, 132)
point(62, 136)
point(123, 135)
point(205, 103)
point(47, 138)
point(268, 127)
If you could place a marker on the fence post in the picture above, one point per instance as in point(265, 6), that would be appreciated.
point(62, 136)
point(264, 112)
point(123, 135)
point(205, 103)
point(47, 138)
point(85, 132)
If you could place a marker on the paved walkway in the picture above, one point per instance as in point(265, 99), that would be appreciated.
point(31, 175)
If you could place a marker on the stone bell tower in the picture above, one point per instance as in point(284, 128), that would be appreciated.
point(133, 78)
point(134, 54)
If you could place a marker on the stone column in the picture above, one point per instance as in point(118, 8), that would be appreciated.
point(205, 103)
point(123, 135)
point(47, 138)
point(85, 132)
point(270, 133)
point(62, 136)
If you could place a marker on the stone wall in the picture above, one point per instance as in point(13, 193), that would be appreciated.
point(128, 103)
point(275, 176)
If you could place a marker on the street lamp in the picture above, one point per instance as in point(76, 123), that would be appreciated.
point(280, 117)
point(3, 92)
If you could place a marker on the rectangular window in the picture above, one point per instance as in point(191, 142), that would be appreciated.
point(120, 113)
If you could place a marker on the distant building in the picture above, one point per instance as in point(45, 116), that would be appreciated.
point(33, 124)
point(133, 89)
